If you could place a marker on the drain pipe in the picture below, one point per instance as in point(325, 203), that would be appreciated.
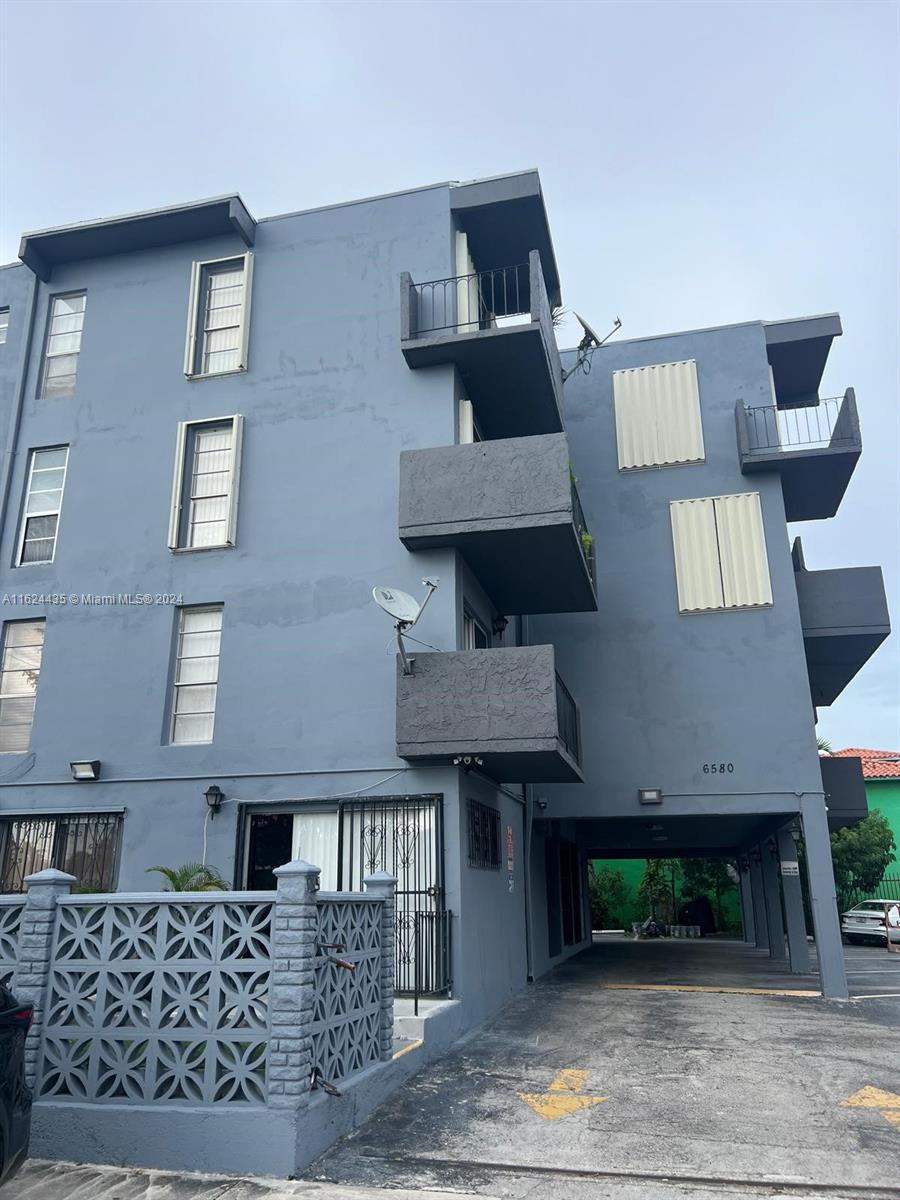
point(16, 417)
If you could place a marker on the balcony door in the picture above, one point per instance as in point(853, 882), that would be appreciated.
point(467, 316)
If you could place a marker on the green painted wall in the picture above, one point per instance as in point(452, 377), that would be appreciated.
point(633, 870)
point(884, 795)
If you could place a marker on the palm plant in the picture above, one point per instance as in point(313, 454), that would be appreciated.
point(191, 877)
point(824, 745)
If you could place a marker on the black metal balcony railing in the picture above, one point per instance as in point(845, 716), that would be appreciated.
point(827, 423)
point(567, 716)
point(585, 537)
point(470, 302)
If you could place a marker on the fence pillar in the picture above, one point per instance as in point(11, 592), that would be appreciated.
point(294, 931)
point(32, 977)
point(383, 885)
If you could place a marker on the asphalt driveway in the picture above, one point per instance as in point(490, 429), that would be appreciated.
point(588, 1084)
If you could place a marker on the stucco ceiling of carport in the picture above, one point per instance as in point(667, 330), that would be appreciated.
point(633, 837)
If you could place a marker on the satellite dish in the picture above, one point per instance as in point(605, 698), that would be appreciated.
point(588, 344)
point(406, 611)
point(590, 337)
point(399, 605)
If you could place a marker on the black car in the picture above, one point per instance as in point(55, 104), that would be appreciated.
point(15, 1098)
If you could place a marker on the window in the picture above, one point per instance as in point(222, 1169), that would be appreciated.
point(63, 344)
point(205, 487)
point(475, 636)
point(484, 836)
point(218, 317)
point(4, 324)
point(20, 666)
point(196, 674)
point(43, 501)
point(86, 846)
point(658, 415)
point(720, 553)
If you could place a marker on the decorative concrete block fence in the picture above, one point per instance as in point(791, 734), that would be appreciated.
point(155, 1012)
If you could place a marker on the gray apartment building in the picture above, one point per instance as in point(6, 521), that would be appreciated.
point(221, 433)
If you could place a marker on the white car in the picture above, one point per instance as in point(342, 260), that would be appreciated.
point(865, 922)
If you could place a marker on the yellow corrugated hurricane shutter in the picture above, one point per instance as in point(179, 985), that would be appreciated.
point(697, 569)
point(658, 415)
point(742, 551)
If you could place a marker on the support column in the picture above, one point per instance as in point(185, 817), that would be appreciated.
point(295, 922)
point(748, 922)
point(772, 890)
point(761, 928)
point(823, 898)
point(798, 947)
point(32, 977)
point(383, 885)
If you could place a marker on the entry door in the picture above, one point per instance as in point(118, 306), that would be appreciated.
point(404, 836)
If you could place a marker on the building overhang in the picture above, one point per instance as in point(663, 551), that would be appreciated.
point(505, 218)
point(845, 791)
point(47, 248)
point(797, 351)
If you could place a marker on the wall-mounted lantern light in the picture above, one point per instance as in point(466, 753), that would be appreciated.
point(214, 797)
point(85, 770)
point(499, 626)
point(650, 795)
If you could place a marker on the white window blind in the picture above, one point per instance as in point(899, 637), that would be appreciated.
point(205, 484)
point(43, 502)
point(218, 317)
point(20, 666)
point(196, 674)
point(4, 324)
point(720, 553)
point(63, 345)
point(658, 415)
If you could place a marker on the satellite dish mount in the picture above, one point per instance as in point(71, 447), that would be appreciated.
point(405, 610)
point(588, 344)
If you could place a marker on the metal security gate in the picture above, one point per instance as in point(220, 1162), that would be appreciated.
point(404, 836)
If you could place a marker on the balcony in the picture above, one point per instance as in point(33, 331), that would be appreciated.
point(496, 328)
point(814, 447)
point(845, 619)
point(507, 707)
point(845, 791)
point(511, 509)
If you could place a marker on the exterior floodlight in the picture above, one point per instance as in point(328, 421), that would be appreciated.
point(650, 795)
point(85, 770)
point(214, 797)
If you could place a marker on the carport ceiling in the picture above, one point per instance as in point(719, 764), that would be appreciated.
point(636, 837)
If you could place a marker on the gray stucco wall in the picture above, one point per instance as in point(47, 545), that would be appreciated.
point(661, 694)
point(489, 947)
point(508, 483)
point(306, 678)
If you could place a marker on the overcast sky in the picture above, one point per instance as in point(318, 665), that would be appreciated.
point(703, 163)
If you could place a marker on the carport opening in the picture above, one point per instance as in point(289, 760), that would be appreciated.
point(689, 896)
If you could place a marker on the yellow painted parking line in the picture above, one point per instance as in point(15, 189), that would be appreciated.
point(697, 987)
point(406, 1049)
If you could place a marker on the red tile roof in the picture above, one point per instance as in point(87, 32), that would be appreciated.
point(876, 764)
